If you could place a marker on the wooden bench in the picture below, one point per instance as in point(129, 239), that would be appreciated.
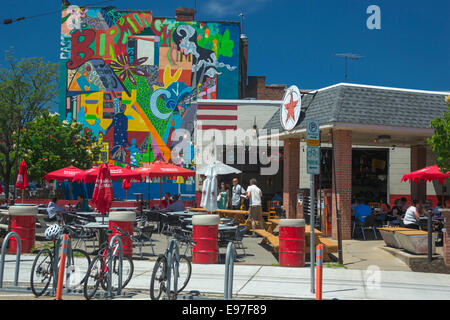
point(269, 237)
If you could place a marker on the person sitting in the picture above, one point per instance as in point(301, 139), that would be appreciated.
point(396, 213)
point(54, 211)
point(436, 211)
point(166, 201)
point(362, 211)
point(177, 204)
point(412, 216)
point(82, 204)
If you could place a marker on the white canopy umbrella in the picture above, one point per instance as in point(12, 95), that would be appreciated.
point(209, 190)
point(219, 167)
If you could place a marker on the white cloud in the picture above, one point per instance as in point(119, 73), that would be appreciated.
point(220, 8)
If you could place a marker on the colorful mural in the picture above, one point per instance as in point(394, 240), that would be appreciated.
point(130, 77)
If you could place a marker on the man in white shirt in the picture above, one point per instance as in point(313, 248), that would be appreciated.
point(255, 209)
point(177, 204)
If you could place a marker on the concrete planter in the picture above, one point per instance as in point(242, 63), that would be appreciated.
point(389, 237)
point(415, 241)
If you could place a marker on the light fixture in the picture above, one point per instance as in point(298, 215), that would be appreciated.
point(382, 139)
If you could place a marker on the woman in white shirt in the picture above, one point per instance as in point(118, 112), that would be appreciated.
point(412, 216)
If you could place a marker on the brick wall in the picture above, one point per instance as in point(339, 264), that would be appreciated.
point(291, 174)
point(257, 88)
point(342, 152)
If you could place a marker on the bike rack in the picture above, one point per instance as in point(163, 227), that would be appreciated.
point(229, 277)
point(229, 271)
point(173, 243)
point(110, 247)
point(2, 263)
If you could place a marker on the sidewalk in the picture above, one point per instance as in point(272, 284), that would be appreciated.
point(289, 283)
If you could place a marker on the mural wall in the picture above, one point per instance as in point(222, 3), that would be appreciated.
point(130, 77)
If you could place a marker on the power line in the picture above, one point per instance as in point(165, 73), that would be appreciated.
point(65, 2)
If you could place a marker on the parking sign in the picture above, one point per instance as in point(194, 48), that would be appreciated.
point(313, 147)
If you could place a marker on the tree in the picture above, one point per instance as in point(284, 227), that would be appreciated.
point(27, 87)
point(440, 141)
point(49, 144)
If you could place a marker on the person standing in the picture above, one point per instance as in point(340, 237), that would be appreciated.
point(254, 194)
point(236, 195)
point(222, 198)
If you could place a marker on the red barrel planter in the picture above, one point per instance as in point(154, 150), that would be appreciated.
point(23, 222)
point(206, 235)
point(292, 243)
point(125, 221)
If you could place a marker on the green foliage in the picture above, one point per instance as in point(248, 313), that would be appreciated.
point(440, 141)
point(49, 144)
point(27, 87)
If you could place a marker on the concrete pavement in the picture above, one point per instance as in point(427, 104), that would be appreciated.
point(287, 283)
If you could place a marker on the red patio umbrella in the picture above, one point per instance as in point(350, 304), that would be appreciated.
point(22, 178)
point(126, 184)
point(103, 190)
point(161, 169)
point(427, 174)
point(67, 173)
point(116, 173)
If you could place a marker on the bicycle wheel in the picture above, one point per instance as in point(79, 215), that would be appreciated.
point(127, 273)
point(95, 275)
point(77, 268)
point(157, 282)
point(41, 272)
point(184, 273)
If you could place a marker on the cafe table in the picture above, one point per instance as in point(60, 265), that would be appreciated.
point(101, 229)
point(123, 209)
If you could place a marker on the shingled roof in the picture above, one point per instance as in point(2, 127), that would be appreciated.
point(361, 104)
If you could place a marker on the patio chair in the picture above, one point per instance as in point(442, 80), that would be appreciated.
point(143, 233)
point(184, 237)
point(224, 238)
point(81, 235)
point(238, 237)
point(369, 223)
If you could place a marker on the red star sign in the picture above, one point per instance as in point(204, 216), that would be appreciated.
point(290, 108)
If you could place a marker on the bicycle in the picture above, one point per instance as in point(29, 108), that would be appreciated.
point(159, 273)
point(42, 268)
point(97, 273)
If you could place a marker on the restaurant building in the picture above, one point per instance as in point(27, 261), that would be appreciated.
point(379, 133)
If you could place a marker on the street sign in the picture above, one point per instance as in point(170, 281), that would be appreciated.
point(314, 143)
point(312, 130)
point(313, 147)
point(313, 160)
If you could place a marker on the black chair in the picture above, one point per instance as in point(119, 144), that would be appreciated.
point(369, 223)
point(81, 235)
point(238, 237)
point(143, 233)
point(184, 237)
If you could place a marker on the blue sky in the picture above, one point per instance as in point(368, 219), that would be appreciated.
point(290, 42)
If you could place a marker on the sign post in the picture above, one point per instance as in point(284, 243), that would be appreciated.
point(312, 168)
